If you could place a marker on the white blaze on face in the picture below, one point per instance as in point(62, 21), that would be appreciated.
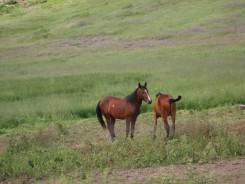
point(149, 98)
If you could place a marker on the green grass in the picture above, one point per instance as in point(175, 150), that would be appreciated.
point(148, 19)
point(79, 149)
point(203, 79)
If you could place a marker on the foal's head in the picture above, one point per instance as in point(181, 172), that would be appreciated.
point(142, 93)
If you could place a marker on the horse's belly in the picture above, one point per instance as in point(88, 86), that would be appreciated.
point(118, 113)
point(119, 109)
point(123, 113)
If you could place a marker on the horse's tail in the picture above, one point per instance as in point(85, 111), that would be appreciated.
point(99, 115)
point(174, 100)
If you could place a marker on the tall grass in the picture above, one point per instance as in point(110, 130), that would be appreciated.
point(60, 97)
point(203, 81)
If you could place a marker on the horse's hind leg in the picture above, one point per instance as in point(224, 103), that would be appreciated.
point(173, 123)
point(110, 124)
point(166, 126)
point(127, 127)
point(155, 125)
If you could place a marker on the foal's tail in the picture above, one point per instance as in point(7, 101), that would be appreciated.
point(174, 100)
point(99, 115)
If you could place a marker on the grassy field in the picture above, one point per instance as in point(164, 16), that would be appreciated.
point(59, 58)
point(79, 150)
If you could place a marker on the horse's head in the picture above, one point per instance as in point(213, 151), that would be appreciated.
point(142, 93)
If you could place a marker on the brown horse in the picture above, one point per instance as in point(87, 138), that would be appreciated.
point(122, 108)
point(163, 107)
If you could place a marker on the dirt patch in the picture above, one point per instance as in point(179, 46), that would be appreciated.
point(3, 145)
point(236, 127)
point(235, 5)
point(223, 171)
point(170, 39)
point(107, 41)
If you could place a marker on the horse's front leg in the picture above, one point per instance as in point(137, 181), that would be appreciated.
point(113, 135)
point(127, 127)
point(132, 127)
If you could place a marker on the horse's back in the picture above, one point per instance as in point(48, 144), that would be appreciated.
point(114, 106)
point(161, 104)
point(163, 99)
point(105, 102)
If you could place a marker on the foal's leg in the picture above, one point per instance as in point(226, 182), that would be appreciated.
point(173, 123)
point(166, 126)
point(155, 126)
point(132, 128)
point(127, 127)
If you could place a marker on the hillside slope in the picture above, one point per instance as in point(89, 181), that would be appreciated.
point(38, 20)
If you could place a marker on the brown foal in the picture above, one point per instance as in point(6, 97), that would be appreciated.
point(163, 107)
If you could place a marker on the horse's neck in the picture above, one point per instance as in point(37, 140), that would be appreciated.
point(134, 100)
point(136, 107)
point(138, 103)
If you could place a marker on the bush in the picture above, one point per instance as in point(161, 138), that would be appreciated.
point(12, 2)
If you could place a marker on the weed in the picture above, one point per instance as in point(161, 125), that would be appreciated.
point(11, 2)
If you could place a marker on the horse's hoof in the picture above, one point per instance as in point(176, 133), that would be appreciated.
point(113, 139)
point(154, 137)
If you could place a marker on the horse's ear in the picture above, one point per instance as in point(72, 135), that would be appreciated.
point(139, 85)
point(145, 84)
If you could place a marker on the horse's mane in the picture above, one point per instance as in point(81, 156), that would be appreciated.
point(132, 98)
point(158, 94)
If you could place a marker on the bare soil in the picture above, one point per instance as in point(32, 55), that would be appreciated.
point(96, 42)
point(222, 171)
point(238, 127)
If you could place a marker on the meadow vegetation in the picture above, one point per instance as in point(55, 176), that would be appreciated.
point(80, 149)
point(59, 58)
point(76, 150)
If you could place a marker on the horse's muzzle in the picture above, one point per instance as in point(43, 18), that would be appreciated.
point(150, 101)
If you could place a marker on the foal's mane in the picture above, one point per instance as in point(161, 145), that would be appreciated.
point(132, 98)
point(158, 94)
